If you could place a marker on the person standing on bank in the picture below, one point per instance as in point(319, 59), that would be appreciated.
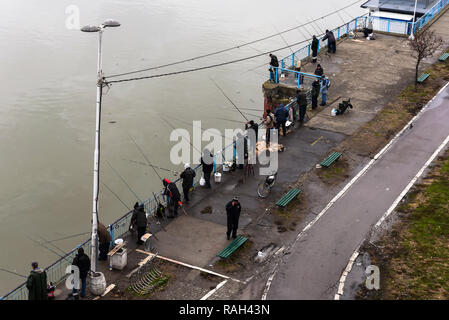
point(301, 100)
point(37, 283)
point(269, 125)
point(233, 209)
point(105, 241)
point(281, 115)
point(325, 84)
point(331, 43)
point(314, 47)
point(274, 63)
point(187, 177)
point(207, 162)
point(315, 93)
point(82, 261)
point(319, 70)
point(139, 219)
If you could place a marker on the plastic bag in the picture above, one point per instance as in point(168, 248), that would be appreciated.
point(202, 182)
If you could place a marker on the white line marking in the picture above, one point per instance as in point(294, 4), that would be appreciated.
point(394, 205)
point(207, 296)
point(342, 192)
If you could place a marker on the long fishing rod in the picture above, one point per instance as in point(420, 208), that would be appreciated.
point(118, 174)
point(12, 272)
point(170, 125)
point(145, 164)
point(143, 154)
point(52, 244)
point(69, 237)
point(283, 39)
point(221, 90)
point(116, 196)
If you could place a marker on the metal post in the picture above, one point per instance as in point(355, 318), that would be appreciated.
point(94, 248)
point(412, 35)
point(293, 59)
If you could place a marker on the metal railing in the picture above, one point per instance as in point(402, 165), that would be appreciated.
point(430, 14)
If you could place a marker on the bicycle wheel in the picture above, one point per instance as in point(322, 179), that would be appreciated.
point(263, 190)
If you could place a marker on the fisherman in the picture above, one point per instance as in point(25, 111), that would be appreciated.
point(314, 47)
point(319, 70)
point(281, 115)
point(325, 84)
point(269, 123)
point(301, 100)
point(274, 63)
point(331, 43)
point(187, 177)
point(175, 197)
point(368, 29)
point(37, 283)
point(251, 125)
point(82, 261)
point(233, 209)
point(315, 93)
point(139, 219)
point(105, 239)
point(207, 162)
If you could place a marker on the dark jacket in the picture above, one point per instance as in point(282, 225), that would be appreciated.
point(139, 218)
point(329, 36)
point(254, 127)
point(233, 212)
point(274, 61)
point(319, 71)
point(281, 114)
point(187, 177)
point(82, 261)
point(207, 168)
point(171, 190)
point(316, 88)
point(301, 99)
point(103, 234)
point(314, 45)
point(37, 285)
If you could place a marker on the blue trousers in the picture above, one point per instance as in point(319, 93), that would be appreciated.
point(83, 287)
point(323, 98)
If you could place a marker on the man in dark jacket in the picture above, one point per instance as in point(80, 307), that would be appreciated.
point(281, 115)
point(207, 162)
point(82, 261)
point(37, 283)
point(315, 93)
point(187, 177)
point(233, 209)
point(139, 219)
point(314, 47)
point(319, 70)
point(301, 99)
point(274, 63)
point(331, 44)
point(105, 239)
point(174, 197)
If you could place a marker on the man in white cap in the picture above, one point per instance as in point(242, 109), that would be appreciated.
point(187, 180)
point(233, 209)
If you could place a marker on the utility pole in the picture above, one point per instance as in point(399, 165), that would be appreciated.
point(96, 173)
point(412, 33)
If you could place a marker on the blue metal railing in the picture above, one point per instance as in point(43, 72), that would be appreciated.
point(430, 14)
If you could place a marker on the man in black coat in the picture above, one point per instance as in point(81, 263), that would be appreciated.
point(187, 177)
point(314, 47)
point(301, 99)
point(331, 44)
point(82, 261)
point(275, 64)
point(37, 283)
point(174, 197)
point(139, 219)
point(316, 86)
point(207, 162)
point(233, 209)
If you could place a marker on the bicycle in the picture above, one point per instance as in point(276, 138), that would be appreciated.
point(264, 187)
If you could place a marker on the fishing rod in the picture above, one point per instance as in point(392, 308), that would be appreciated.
point(285, 41)
point(221, 90)
point(69, 237)
point(116, 196)
point(12, 272)
point(118, 174)
point(169, 124)
point(145, 164)
point(143, 154)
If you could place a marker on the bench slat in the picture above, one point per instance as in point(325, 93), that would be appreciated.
point(444, 56)
point(330, 159)
point(423, 77)
point(234, 245)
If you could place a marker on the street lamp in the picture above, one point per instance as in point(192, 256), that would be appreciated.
point(99, 29)
point(412, 33)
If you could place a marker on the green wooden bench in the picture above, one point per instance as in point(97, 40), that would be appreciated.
point(234, 245)
point(289, 196)
point(329, 160)
point(444, 56)
point(423, 77)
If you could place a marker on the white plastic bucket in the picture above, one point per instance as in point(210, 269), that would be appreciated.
point(217, 176)
point(98, 284)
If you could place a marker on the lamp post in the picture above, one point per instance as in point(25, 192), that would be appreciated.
point(99, 29)
point(412, 33)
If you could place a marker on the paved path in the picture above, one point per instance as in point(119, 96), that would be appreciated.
point(313, 268)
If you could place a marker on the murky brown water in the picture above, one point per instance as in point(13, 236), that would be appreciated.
point(47, 108)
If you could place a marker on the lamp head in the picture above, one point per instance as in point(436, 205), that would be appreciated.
point(90, 28)
point(111, 23)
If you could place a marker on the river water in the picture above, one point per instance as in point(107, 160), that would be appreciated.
point(47, 106)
